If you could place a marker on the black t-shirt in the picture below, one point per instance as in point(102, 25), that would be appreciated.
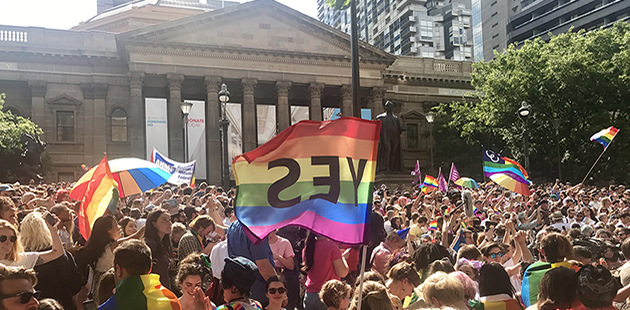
point(60, 279)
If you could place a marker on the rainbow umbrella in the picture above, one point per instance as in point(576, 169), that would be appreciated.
point(467, 182)
point(511, 184)
point(133, 176)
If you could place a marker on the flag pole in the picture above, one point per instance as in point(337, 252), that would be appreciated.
point(450, 175)
point(361, 275)
point(593, 166)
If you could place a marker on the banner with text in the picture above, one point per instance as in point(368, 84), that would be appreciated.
point(156, 125)
point(181, 172)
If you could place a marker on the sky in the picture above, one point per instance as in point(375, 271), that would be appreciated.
point(65, 14)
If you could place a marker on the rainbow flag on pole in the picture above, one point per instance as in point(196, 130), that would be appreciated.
point(143, 292)
point(433, 225)
point(605, 136)
point(100, 195)
point(317, 175)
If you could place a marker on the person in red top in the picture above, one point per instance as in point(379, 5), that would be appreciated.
point(323, 261)
point(385, 253)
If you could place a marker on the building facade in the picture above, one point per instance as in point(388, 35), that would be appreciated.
point(422, 28)
point(93, 92)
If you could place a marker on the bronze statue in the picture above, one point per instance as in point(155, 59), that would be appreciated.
point(389, 147)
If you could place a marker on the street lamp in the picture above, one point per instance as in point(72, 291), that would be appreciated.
point(523, 112)
point(224, 97)
point(430, 118)
point(556, 125)
point(186, 107)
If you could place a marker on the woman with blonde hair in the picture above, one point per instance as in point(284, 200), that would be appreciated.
point(441, 290)
point(60, 278)
point(374, 297)
point(12, 253)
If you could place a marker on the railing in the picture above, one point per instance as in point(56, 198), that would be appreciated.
point(446, 67)
point(13, 36)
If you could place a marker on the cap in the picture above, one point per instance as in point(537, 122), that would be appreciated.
point(241, 271)
point(6, 188)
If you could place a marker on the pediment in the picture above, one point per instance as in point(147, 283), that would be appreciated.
point(64, 99)
point(413, 115)
point(261, 25)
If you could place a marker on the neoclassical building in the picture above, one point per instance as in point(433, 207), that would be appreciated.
point(89, 88)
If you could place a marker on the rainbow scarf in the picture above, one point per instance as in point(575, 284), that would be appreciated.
point(605, 136)
point(316, 175)
point(143, 292)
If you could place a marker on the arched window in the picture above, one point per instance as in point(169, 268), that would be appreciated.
point(119, 126)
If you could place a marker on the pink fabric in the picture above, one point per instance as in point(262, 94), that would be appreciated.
point(323, 269)
point(381, 257)
point(283, 248)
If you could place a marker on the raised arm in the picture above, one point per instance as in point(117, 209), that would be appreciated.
point(57, 246)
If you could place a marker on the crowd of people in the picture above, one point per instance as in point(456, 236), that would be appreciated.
point(182, 247)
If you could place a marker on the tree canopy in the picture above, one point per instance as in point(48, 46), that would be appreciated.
point(581, 80)
point(11, 129)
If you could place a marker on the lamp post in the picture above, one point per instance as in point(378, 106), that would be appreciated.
point(556, 126)
point(224, 97)
point(430, 118)
point(523, 112)
point(186, 107)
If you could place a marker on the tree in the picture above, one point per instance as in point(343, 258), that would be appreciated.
point(581, 79)
point(14, 163)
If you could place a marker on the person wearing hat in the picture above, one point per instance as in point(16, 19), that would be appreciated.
point(6, 190)
point(558, 222)
point(237, 278)
point(596, 288)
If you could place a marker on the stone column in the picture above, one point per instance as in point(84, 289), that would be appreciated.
point(175, 119)
point(213, 134)
point(315, 110)
point(283, 110)
point(38, 112)
point(376, 100)
point(136, 117)
point(346, 100)
point(250, 136)
point(95, 128)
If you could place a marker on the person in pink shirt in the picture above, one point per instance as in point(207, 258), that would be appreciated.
point(385, 253)
point(282, 251)
point(323, 261)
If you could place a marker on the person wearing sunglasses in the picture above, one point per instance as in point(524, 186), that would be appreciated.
point(17, 288)
point(12, 253)
point(276, 293)
point(492, 253)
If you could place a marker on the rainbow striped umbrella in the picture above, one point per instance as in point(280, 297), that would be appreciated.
point(133, 176)
point(467, 182)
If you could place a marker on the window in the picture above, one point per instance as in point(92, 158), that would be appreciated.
point(494, 14)
point(119, 126)
point(495, 24)
point(65, 126)
point(495, 36)
point(412, 136)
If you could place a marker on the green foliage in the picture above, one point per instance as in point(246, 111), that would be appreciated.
point(582, 79)
point(11, 129)
point(339, 4)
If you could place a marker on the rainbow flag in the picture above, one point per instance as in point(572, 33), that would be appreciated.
point(475, 210)
point(496, 210)
point(100, 195)
point(605, 136)
point(449, 210)
point(143, 292)
point(433, 225)
point(466, 225)
point(494, 164)
point(429, 184)
point(316, 175)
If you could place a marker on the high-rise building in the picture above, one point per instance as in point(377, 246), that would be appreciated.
point(422, 28)
point(499, 23)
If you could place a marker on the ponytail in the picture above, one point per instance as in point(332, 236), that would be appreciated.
point(309, 251)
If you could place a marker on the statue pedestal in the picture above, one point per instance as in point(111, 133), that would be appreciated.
point(394, 180)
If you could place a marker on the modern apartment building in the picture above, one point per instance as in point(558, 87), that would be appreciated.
point(422, 28)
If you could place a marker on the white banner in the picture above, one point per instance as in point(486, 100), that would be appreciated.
point(181, 172)
point(197, 137)
point(156, 125)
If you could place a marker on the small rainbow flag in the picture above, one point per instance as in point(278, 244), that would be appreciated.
point(475, 210)
point(143, 292)
point(449, 210)
point(433, 225)
point(605, 136)
point(429, 184)
point(316, 175)
point(495, 210)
